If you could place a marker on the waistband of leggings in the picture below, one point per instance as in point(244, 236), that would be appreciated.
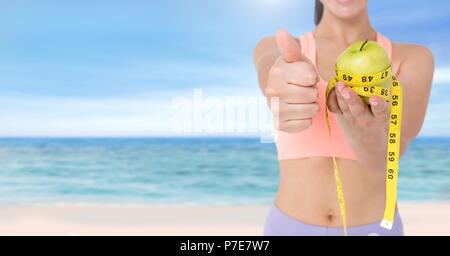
point(397, 218)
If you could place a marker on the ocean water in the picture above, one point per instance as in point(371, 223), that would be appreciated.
point(189, 171)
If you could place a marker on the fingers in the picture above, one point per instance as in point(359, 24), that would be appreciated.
point(301, 73)
point(354, 103)
point(293, 94)
point(288, 46)
point(298, 111)
point(294, 118)
point(332, 103)
point(294, 126)
point(343, 106)
point(279, 87)
point(300, 95)
point(285, 111)
point(380, 108)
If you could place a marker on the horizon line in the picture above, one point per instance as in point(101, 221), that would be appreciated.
point(166, 137)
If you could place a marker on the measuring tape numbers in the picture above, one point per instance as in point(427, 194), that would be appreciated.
point(368, 86)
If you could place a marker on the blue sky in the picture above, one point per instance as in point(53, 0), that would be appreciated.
point(112, 68)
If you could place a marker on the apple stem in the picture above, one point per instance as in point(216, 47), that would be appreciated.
point(364, 44)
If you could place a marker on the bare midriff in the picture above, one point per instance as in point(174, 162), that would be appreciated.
point(307, 192)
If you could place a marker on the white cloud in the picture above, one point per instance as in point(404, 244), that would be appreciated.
point(50, 116)
point(145, 115)
point(442, 75)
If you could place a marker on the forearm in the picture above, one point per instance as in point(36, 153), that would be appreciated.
point(371, 151)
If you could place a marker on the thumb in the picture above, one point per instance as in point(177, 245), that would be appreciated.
point(289, 48)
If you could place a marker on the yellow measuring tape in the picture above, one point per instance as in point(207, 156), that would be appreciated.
point(367, 86)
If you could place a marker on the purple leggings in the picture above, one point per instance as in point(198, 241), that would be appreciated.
point(279, 223)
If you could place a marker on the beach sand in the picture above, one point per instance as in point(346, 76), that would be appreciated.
point(419, 219)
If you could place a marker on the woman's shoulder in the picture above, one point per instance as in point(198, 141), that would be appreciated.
point(412, 62)
point(412, 56)
point(411, 51)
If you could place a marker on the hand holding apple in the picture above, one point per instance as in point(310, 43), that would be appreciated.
point(364, 121)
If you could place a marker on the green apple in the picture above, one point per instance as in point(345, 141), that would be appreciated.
point(364, 58)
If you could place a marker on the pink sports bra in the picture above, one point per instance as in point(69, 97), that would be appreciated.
point(315, 140)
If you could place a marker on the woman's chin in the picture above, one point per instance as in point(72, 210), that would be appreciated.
point(347, 14)
point(345, 1)
point(346, 9)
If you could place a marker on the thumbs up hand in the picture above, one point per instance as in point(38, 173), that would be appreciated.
point(291, 87)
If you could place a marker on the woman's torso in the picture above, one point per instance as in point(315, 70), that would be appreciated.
point(307, 189)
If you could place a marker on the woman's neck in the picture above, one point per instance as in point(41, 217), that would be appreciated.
point(345, 31)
